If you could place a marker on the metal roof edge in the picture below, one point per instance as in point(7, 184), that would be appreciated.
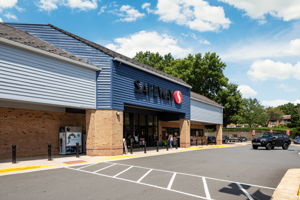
point(46, 53)
point(116, 55)
point(219, 106)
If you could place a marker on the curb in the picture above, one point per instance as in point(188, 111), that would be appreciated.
point(289, 186)
point(8, 171)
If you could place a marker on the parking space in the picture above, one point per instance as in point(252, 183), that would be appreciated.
point(191, 185)
point(242, 174)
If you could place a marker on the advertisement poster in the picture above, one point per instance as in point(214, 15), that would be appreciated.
point(73, 138)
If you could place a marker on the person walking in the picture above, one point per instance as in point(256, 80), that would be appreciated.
point(171, 140)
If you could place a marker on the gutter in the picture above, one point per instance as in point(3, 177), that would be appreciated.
point(149, 71)
point(48, 54)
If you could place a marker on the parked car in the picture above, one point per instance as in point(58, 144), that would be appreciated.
point(297, 140)
point(243, 139)
point(225, 139)
point(233, 139)
point(272, 140)
point(211, 140)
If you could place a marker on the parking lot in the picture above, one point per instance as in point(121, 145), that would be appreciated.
point(222, 174)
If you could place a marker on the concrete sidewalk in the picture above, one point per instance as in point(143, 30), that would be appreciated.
point(289, 186)
point(41, 163)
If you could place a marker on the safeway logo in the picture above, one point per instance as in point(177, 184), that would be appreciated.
point(177, 95)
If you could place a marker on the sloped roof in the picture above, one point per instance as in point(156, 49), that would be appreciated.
point(204, 99)
point(16, 35)
point(122, 57)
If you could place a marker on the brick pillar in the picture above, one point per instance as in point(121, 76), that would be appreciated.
point(185, 135)
point(219, 133)
point(104, 132)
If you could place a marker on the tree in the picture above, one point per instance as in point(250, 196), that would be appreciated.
point(253, 113)
point(203, 73)
point(274, 113)
point(294, 111)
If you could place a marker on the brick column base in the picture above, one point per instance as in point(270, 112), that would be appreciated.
point(104, 132)
point(219, 133)
point(185, 135)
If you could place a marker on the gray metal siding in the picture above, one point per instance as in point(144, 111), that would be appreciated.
point(29, 77)
point(81, 50)
point(202, 112)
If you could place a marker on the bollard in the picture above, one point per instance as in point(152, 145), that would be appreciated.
point(167, 145)
point(131, 146)
point(14, 154)
point(145, 149)
point(77, 150)
point(49, 152)
point(157, 146)
point(196, 142)
point(176, 144)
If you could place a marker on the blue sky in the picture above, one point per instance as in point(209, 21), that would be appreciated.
point(258, 40)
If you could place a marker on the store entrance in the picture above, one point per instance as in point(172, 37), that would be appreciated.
point(141, 127)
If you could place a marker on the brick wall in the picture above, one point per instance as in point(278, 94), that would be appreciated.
point(32, 130)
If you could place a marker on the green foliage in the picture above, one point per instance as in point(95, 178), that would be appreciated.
point(274, 113)
point(253, 113)
point(204, 73)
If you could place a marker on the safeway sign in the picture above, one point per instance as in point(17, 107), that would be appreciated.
point(177, 95)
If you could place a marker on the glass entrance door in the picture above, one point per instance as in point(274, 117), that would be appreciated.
point(140, 127)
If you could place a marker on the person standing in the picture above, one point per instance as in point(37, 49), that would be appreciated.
point(171, 140)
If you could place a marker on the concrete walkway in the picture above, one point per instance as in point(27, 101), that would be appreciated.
point(41, 163)
point(289, 186)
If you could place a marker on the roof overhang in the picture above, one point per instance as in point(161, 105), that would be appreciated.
point(149, 71)
point(195, 99)
point(48, 54)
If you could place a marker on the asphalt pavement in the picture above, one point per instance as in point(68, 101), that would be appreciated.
point(223, 174)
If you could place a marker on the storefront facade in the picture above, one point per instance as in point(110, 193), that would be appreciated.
point(52, 79)
point(110, 96)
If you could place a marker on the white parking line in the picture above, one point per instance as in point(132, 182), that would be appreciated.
point(123, 171)
point(194, 175)
point(104, 168)
point(207, 194)
point(141, 183)
point(87, 166)
point(245, 191)
point(148, 172)
point(171, 181)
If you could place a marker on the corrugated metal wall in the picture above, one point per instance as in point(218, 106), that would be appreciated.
point(123, 90)
point(81, 50)
point(202, 112)
point(26, 76)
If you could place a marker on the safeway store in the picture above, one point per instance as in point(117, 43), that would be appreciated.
point(52, 80)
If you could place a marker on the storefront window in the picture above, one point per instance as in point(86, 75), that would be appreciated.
point(197, 132)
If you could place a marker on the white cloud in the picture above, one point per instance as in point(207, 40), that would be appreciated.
point(278, 102)
point(269, 69)
point(148, 41)
point(129, 14)
point(262, 49)
point(49, 5)
point(257, 9)
point(146, 6)
point(247, 91)
point(8, 3)
point(195, 14)
point(1, 20)
point(82, 4)
point(206, 42)
point(10, 16)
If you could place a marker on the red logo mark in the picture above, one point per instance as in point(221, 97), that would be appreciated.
point(177, 95)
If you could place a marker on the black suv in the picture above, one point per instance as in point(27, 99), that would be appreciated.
point(271, 140)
